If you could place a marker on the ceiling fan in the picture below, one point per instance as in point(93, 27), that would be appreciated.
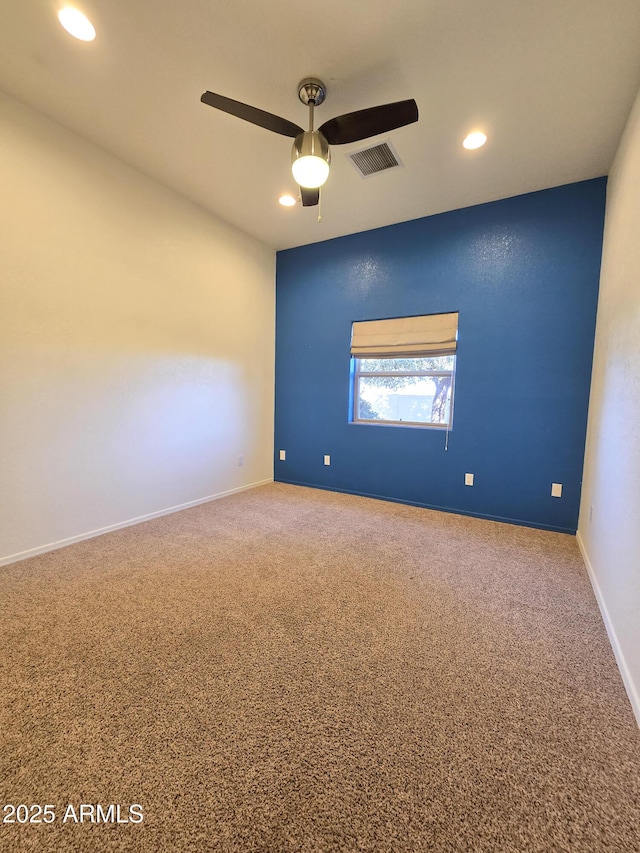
point(310, 155)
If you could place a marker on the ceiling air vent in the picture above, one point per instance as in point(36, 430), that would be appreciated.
point(376, 159)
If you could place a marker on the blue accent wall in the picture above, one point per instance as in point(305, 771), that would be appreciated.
point(523, 274)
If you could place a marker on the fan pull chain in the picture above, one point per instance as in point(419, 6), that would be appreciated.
point(320, 205)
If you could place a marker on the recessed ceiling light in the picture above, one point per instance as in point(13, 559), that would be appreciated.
point(287, 200)
point(76, 24)
point(475, 140)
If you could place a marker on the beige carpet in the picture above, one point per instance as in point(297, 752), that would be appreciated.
point(294, 670)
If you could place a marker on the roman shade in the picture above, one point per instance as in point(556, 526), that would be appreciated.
point(405, 337)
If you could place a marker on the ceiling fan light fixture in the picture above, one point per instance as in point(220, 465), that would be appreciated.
point(310, 155)
point(76, 24)
point(310, 159)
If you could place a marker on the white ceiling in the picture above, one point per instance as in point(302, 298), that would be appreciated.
point(550, 81)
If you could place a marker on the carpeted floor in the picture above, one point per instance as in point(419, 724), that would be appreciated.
point(289, 670)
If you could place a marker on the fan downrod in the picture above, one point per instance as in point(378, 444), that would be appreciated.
point(312, 91)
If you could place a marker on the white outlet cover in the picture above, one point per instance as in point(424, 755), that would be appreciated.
point(556, 490)
point(283, 455)
point(468, 479)
point(327, 459)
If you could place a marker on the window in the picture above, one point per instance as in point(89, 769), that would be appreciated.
point(403, 370)
point(410, 391)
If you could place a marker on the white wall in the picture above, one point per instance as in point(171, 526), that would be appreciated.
point(136, 343)
point(609, 534)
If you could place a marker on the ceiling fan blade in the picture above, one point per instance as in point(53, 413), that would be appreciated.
point(309, 197)
point(252, 114)
point(352, 127)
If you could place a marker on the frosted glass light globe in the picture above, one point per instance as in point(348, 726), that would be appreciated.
point(310, 172)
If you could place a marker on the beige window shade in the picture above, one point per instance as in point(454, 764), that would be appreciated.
point(409, 337)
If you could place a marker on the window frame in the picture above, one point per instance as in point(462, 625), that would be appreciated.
point(357, 373)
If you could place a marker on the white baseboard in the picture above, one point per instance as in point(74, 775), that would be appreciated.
point(632, 690)
point(62, 543)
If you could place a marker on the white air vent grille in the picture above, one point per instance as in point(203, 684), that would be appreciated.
point(373, 160)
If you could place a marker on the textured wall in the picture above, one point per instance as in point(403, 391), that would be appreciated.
point(523, 274)
point(609, 529)
point(136, 343)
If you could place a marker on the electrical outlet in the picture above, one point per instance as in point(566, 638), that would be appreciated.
point(283, 455)
point(468, 479)
point(556, 490)
point(240, 461)
point(327, 459)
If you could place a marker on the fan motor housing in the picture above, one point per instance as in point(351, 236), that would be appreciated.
point(311, 143)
